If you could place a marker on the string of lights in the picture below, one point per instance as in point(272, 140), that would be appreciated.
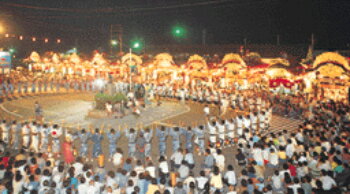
point(32, 38)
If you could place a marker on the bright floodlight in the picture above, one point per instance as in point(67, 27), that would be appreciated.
point(136, 45)
point(114, 42)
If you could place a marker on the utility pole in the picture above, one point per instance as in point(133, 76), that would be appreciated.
point(204, 36)
point(116, 34)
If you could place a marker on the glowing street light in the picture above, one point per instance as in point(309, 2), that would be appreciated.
point(33, 39)
point(58, 41)
point(136, 45)
point(20, 37)
point(46, 40)
point(12, 50)
point(114, 42)
point(1, 29)
point(179, 31)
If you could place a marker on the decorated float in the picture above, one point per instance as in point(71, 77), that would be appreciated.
point(231, 69)
point(163, 68)
point(329, 76)
point(197, 68)
point(280, 78)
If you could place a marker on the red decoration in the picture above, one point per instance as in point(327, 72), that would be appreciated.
point(265, 65)
point(54, 133)
point(279, 81)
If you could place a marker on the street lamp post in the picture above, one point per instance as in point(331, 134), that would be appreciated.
point(130, 80)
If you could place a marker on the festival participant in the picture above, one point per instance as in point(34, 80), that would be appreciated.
point(57, 82)
point(15, 132)
point(113, 137)
point(148, 135)
point(221, 132)
point(84, 137)
point(45, 82)
point(34, 145)
point(200, 139)
point(239, 124)
point(206, 111)
point(68, 150)
point(44, 138)
point(109, 109)
point(56, 133)
point(38, 112)
point(212, 132)
point(4, 132)
point(33, 82)
point(241, 102)
point(189, 137)
point(175, 133)
point(131, 135)
point(247, 122)
point(176, 159)
point(262, 121)
point(97, 138)
point(230, 132)
point(140, 147)
point(233, 100)
point(26, 135)
point(25, 84)
point(40, 84)
point(162, 135)
point(254, 121)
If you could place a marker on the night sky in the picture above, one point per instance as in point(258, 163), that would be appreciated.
point(86, 22)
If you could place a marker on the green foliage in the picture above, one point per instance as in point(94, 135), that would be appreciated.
point(101, 99)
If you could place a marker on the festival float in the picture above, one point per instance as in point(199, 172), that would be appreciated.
point(163, 68)
point(197, 68)
point(256, 68)
point(33, 61)
point(280, 78)
point(130, 63)
point(329, 76)
point(232, 69)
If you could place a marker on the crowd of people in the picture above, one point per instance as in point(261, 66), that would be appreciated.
point(314, 158)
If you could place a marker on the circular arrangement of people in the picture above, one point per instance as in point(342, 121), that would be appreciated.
point(184, 118)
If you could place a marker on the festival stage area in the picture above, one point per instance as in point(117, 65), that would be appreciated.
point(71, 110)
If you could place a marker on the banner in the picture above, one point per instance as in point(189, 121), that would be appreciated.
point(5, 59)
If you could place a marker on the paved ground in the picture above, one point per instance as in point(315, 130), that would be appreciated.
point(71, 110)
point(170, 113)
